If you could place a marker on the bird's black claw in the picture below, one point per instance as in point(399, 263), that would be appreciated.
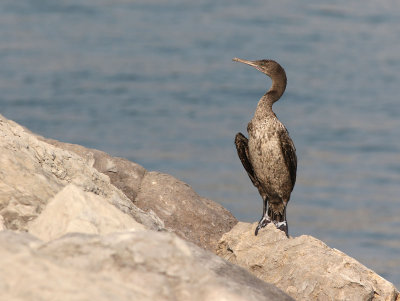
point(262, 223)
point(282, 226)
point(279, 225)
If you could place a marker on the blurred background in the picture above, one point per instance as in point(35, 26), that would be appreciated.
point(153, 81)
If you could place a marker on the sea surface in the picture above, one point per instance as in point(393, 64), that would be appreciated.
point(153, 81)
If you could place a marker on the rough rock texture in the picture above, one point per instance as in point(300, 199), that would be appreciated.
point(182, 210)
point(55, 190)
point(32, 172)
point(51, 192)
point(142, 265)
point(192, 217)
point(124, 174)
point(75, 210)
point(304, 267)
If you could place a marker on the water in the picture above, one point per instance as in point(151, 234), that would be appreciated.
point(153, 81)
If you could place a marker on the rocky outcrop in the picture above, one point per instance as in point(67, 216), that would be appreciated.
point(123, 174)
point(141, 265)
point(87, 240)
point(190, 216)
point(104, 228)
point(181, 209)
point(75, 210)
point(32, 172)
point(35, 169)
point(304, 267)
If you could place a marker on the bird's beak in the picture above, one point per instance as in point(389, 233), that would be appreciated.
point(251, 63)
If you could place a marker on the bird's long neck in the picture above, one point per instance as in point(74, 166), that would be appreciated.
point(264, 107)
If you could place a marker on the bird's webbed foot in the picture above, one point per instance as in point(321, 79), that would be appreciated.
point(282, 226)
point(265, 220)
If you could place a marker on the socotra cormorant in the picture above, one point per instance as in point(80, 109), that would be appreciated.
point(269, 155)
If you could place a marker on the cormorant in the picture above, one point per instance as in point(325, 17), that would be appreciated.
point(269, 155)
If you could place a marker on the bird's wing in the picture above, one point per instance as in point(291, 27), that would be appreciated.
point(242, 148)
point(289, 153)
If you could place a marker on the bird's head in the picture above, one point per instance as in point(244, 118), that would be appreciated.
point(268, 67)
point(274, 71)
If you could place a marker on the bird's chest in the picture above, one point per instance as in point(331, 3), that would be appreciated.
point(265, 133)
point(264, 144)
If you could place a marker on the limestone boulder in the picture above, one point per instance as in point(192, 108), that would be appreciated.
point(75, 210)
point(124, 174)
point(33, 171)
point(142, 265)
point(183, 211)
point(304, 267)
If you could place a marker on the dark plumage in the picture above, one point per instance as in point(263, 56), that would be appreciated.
point(269, 155)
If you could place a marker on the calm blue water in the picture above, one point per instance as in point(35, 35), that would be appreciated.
point(153, 81)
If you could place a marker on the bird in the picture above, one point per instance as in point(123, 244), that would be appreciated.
point(269, 155)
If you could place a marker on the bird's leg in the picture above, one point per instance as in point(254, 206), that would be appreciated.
point(265, 220)
point(283, 225)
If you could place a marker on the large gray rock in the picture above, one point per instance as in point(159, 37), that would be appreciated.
point(143, 265)
point(183, 211)
point(75, 210)
point(124, 174)
point(304, 267)
point(51, 188)
point(32, 172)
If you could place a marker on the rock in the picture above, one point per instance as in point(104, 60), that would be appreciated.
point(75, 210)
point(2, 227)
point(183, 211)
point(123, 174)
point(32, 172)
point(36, 169)
point(55, 190)
point(142, 265)
point(303, 267)
point(196, 219)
